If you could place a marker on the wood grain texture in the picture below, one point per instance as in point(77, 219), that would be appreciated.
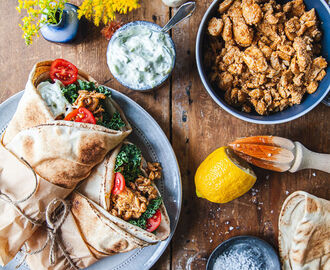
point(192, 121)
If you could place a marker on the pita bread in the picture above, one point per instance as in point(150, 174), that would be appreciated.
point(62, 152)
point(98, 186)
point(304, 232)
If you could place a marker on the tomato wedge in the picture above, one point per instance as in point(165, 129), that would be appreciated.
point(64, 71)
point(119, 183)
point(154, 222)
point(81, 115)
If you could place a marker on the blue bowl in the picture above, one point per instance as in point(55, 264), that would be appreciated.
point(294, 112)
point(152, 26)
point(265, 252)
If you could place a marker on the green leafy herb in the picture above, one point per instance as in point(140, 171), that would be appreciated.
point(128, 162)
point(112, 123)
point(70, 91)
point(153, 206)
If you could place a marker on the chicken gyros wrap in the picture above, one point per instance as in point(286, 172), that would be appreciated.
point(65, 124)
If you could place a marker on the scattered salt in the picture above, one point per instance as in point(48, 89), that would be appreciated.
point(227, 222)
point(287, 192)
point(271, 211)
point(231, 228)
point(314, 174)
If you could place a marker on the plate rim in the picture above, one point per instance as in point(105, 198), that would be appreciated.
point(172, 153)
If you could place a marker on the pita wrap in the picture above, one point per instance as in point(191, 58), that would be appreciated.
point(61, 153)
point(32, 110)
point(98, 186)
point(87, 236)
point(304, 232)
point(74, 245)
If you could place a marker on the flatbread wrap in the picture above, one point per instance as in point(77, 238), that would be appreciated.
point(87, 236)
point(108, 214)
point(55, 139)
point(136, 206)
point(304, 232)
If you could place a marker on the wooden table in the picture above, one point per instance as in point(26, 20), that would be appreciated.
point(193, 123)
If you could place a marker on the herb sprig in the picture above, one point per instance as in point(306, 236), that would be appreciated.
point(128, 162)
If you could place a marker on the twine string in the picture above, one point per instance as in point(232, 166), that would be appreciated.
point(54, 220)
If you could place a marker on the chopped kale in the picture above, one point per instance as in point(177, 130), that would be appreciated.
point(153, 206)
point(103, 90)
point(128, 162)
point(112, 123)
point(70, 91)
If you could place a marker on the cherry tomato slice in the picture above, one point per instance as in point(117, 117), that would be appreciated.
point(154, 222)
point(81, 115)
point(64, 71)
point(119, 183)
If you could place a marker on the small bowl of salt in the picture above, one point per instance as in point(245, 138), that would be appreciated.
point(244, 253)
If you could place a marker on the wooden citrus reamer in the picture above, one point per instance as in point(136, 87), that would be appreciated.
point(279, 154)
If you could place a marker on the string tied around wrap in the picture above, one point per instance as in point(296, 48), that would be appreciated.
point(54, 220)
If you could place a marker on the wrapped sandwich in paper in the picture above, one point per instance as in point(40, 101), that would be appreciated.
point(64, 125)
point(304, 232)
point(87, 236)
point(121, 210)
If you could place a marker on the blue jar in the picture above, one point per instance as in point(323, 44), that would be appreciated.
point(66, 30)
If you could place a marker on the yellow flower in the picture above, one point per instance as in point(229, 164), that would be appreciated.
point(34, 8)
point(105, 10)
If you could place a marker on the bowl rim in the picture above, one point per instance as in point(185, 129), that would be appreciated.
point(151, 25)
point(223, 104)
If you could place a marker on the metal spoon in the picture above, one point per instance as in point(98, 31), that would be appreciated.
point(184, 11)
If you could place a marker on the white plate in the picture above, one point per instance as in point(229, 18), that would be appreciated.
point(155, 147)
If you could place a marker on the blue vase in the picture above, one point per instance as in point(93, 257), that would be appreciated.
point(66, 30)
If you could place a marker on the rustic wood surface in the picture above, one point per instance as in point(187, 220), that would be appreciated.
point(194, 124)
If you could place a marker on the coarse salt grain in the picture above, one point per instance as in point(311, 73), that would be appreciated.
point(240, 259)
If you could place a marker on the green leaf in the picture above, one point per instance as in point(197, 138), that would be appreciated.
point(128, 162)
point(71, 91)
point(115, 123)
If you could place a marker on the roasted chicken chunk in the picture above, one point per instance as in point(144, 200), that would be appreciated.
point(132, 202)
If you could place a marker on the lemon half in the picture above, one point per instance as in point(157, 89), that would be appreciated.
point(223, 176)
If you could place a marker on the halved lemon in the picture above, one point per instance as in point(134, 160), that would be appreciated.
point(223, 176)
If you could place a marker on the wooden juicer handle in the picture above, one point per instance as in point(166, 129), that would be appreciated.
point(306, 159)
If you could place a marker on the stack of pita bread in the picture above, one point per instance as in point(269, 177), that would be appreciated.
point(304, 232)
point(42, 159)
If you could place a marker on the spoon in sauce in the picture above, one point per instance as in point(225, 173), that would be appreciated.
point(141, 55)
point(184, 12)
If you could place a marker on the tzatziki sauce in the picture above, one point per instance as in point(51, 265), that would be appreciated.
point(51, 93)
point(140, 57)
